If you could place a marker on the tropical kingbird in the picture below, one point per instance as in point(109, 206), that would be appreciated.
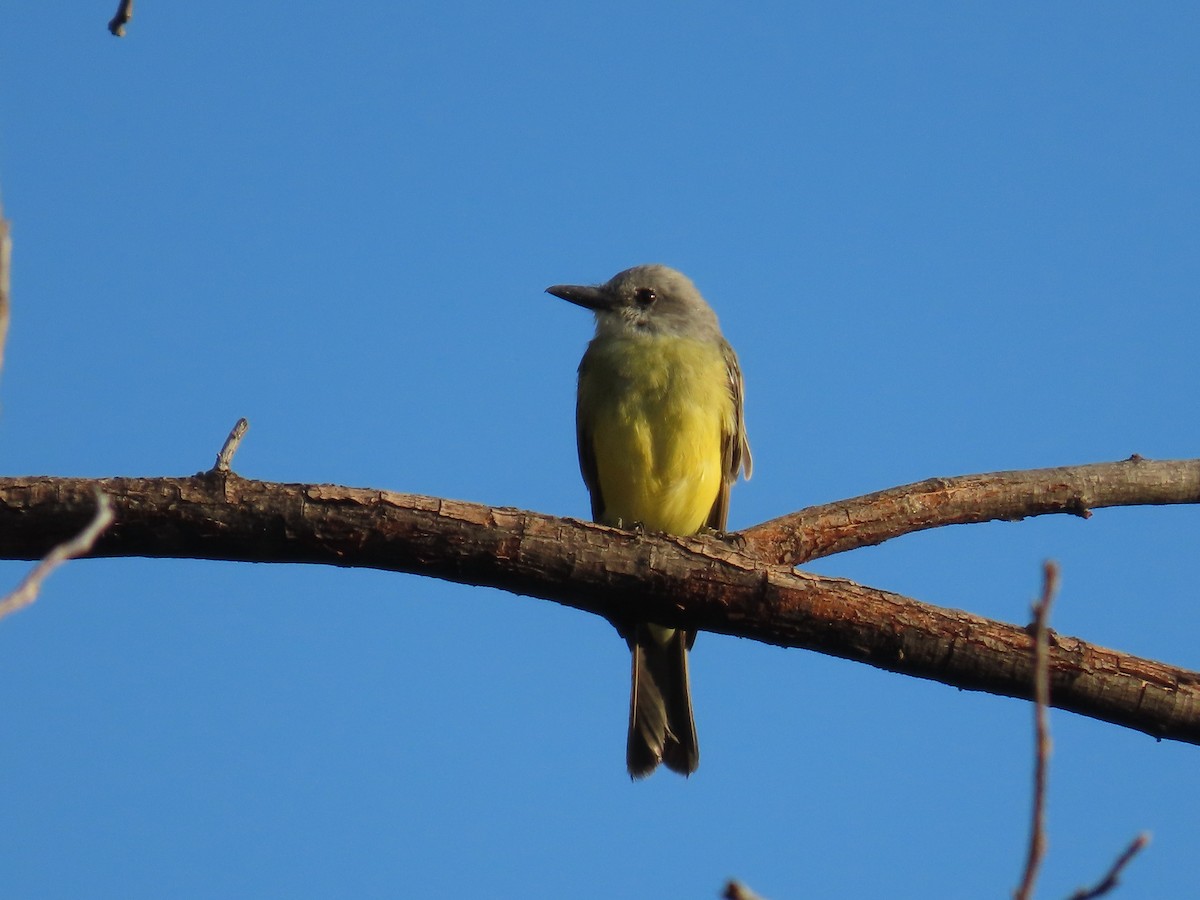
point(661, 438)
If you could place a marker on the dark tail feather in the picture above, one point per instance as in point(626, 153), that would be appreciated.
point(661, 728)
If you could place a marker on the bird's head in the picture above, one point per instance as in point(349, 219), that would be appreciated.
point(650, 299)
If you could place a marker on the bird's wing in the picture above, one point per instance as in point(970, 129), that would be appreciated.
point(735, 449)
point(587, 460)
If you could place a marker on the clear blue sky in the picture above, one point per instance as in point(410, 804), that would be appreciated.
point(944, 238)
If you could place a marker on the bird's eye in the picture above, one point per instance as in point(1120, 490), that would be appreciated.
point(644, 296)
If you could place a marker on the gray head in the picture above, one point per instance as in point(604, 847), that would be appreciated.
point(650, 299)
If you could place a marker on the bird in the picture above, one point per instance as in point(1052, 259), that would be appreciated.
point(660, 429)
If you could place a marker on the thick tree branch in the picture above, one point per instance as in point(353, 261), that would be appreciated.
point(701, 582)
point(1008, 496)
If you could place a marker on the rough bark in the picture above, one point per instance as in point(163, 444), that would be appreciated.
point(1007, 496)
point(711, 583)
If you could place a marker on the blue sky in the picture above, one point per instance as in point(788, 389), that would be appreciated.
point(944, 238)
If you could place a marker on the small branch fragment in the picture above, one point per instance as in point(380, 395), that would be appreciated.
point(1112, 878)
point(225, 457)
point(1041, 695)
point(735, 890)
point(116, 25)
point(27, 591)
point(5, 260)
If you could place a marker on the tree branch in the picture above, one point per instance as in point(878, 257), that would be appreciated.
point(1041, 741)
point(116, 25)
point(699, 582)
point(27, 591)
point(224, 461)
point(1007, 496)
point(5, 262)
point(1112, 877)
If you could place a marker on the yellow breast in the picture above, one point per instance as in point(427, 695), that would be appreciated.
point(656, 408)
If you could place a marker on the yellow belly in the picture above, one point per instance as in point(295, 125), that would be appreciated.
point(656, 408)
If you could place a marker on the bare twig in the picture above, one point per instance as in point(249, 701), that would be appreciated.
point(116, 25)
point(27, 591)
point(1112, 877)
point(225, 457)
point(735, 890)
point(1041, 696)
point(5, 261)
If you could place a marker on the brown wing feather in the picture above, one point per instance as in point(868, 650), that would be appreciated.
point(587, 460)
point(735, 449)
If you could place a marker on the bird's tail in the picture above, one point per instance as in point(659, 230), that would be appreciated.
point(661, 728)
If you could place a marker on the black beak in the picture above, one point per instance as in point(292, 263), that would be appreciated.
point(588, 297)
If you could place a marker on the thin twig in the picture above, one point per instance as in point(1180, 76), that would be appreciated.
point(27, 591)
point(225, 457)
point(1041, 695)
point(735, 890)
point(1112, 877)
point(5, 261)
point(116, 25)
